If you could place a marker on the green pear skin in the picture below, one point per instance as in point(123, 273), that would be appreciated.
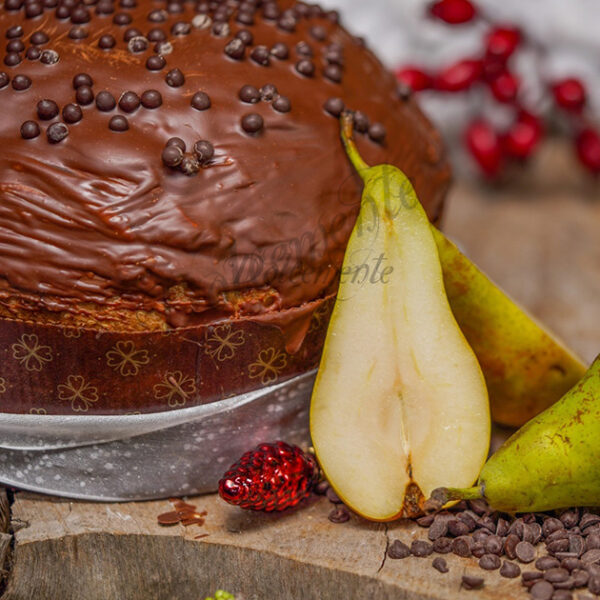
point(526, 368)
point(551, 462)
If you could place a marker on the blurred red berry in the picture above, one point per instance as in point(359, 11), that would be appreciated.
point(587, 144)
point(522, 138)
point(502, 42)
point(505, 87)
point(416, 79)
point(270, 477)
point(453, 12)
point(569, 94)
point(459, 76)
point(484, 145)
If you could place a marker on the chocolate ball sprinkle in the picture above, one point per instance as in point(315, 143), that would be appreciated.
point(21, 82)
point(15, 46)
point(84, 95)
point(78, 33)
point(15, 31)
point(200, 101)
point(235, 49)
point(47, 109)
point(127, 3)
point(158, 16)
point(318, 33)
point(246, 36)
point(156, 35)
point(204, 151)
point(33, 53)
point(151, 99)
point(252, 123)
point(130, 33)
point(39, 38)
point(49, 57)
point(333, 73)
point(13, 4)
point(105, 101)
point(163, 48)
point(4, 79)
point(105, 7)
point(172, 156)
point(260, 55)
point(137, 44)
point(287, 23)
point(176, 141)
point(12, 59)
point(62, 12)
point(80, 14)
point(34, 9)
point(305, 67)
point(271, 12)
point(175, 78)
point(106, 42)
point(30, 130)
point(245, 18)
point(334, 106)
point(201, 21)
point(280, 51)
point(181, 28)
point(220, 29)
point(377, 132)
point(282, 104)
point(361, 122)
point(189, 165)
point(118, 123)
point(155, 63)
point(175, 8)
point(82, 79)
point(57, 132)
point(122, 19)
point(72, 113)
point(268, 92)
point(303, 49)
point(249, 94)
point(129, 101)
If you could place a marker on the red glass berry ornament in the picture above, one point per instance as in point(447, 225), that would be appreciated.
point(453, 12)
point(416, 79)
point(458, 76)
point(270, 477)
point(484, 145)
point(587, 144)
point(569, 94)
point(501, 42)
point(505, 87)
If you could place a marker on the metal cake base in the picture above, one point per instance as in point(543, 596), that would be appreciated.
point(149, 456)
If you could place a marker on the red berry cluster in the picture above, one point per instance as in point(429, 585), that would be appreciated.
point(270, 477)
point(492, 149)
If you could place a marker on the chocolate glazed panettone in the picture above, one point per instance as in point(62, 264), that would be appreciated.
point(174, 198)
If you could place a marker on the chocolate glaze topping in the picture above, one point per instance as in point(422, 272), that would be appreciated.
point(100, 212)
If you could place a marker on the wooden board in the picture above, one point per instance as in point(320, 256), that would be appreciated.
point(539, 239)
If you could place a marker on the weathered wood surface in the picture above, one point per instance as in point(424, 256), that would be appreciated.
point(539, 238)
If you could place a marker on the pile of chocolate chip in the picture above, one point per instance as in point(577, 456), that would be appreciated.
point(571, 540)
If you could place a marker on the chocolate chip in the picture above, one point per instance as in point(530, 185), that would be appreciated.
point(493, 544)
point(181, 28)
point(442, 545)
point(588, 519)
point(502, 525)
point(280, 51)
point(321, 488)
point(577, 544)
point(542, 590)
point(570, 518)
point(332, 496)
point(72, 113)
point(82, 79)
point(47, 109)
point(106, 42)
point(155, 63)
point(479, 506)
point(33, 53)
point(592, 541)
point(510, 570)
point(175, 78)
point(334, 106)
point(531, 577)
point(252, 123)
point(15, 31)
point(333, 73)
point(556, 575)
point(249, 94)
point(562, 595)
point(591, 556)
point(559, 534)
point(536, 532)
point(305, 67)
point(21, 82)
point(84, 95)
point(547, 562)
point(525, 552)
point(137, 44)
point(105, 101)
point(471, 582)
point(118, 123)
point(49, 57)
point(204, 151)
point(440, 564)
point(580, 577)
point(268, 92)
point(438, 529)
point(57, 132)
point(398, 549)
point(172, 156)
point(122, 18)
point(260, 55)
point(151, 99)
point(489, 562)
point(477, 549)
point(421, 548)
point(560, 545)
point(550, 525)
point(594, 584)
point(457, 528)
point(564, 555)
point(235, 49)
point(201, 101)
point(30, 130)
point(461, 546)
point(12, 59)
point(339, 514)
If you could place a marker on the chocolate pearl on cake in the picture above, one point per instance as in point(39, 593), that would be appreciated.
point(39, 38)
point(156, 35)
point(176, 141)
point(33, 9)
point(122, 19)
point(318, 33)
point(271, 11)
point(377, 134)
point(30, 130)
point(47, 109)
point(127, 3)
point(80, 14)
point(12, 59)
point(203, 151)
point(305, 67)
point(21, 82)
point(304, 49)
point(84, 95)
point(280, 51)
point(33, 53)
point(155, 63)
point(172, 156)
point(151, 99)
point(189, 166)
point(252, 123)
point(82, 79)
point(106, 42)
point(131, 33)
point(235, 49)
point(15, 45)
point(175, 78)
point(361, 124)
point(78, 33)
point(105, 101)
point(118, 123)
point(57, 132)
point(181, 28)
point(163, 48)
point(72, 113)
point(137, 44)
point(158, 16)
point(249, 94)
point(334, 106)
point(129, 101)
point(220, 29)
point(287, 22)
point(105, 7)
point(260, 55)
point(201, 21)
point(49, 57)
point(282, 104)
point(245, 36)
point(268, 92)
point(200, 101)
point(15, 31)
point(333, 73)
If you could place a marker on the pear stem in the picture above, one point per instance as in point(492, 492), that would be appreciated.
point(346, 130)
point(472, 493)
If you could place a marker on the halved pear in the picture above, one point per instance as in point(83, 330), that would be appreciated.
point(400, 405)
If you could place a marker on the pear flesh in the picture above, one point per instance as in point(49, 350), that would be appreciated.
point(551, 462)
point(400, 404)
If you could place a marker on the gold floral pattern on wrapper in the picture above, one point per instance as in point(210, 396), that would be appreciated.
point(38, 411)
point(30, 353)
point(176, 388)
point(72, 332)
point(78, 392)
point(3, 386)
point(268, 366)
point(222, 342)
point(125, 358)
point(319, 318)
